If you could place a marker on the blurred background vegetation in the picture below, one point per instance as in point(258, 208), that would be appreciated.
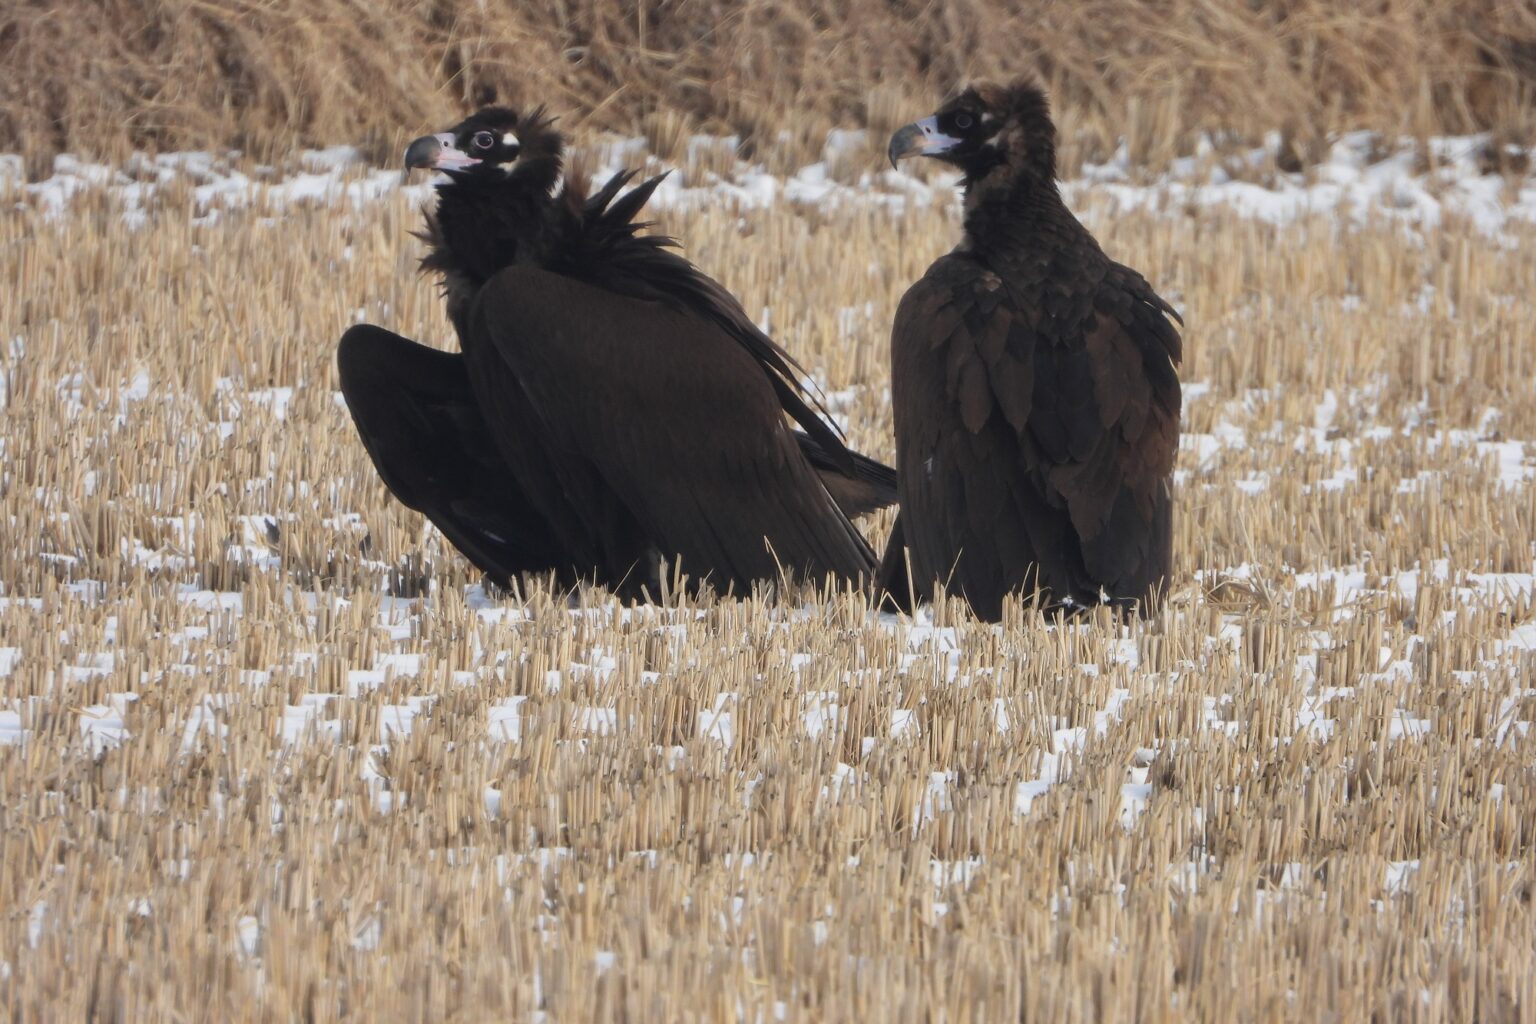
point(100, 77)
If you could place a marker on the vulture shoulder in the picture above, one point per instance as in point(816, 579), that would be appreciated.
point(607, 247)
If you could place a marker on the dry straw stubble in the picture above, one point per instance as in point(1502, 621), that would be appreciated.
point(244, 781)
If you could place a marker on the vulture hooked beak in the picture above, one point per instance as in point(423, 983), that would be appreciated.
point(437, 152)
point(921, 138)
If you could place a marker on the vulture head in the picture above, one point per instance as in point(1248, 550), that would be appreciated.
point(986, 129)
point(493, 146)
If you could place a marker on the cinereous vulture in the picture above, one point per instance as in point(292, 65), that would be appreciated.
point(612, 409)
point(1034, 386)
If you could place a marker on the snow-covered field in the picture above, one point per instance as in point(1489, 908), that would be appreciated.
point(1366, 179)
point(255, 718)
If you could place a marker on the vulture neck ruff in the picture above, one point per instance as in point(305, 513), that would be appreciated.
point(1009, 210)
point(484, 223)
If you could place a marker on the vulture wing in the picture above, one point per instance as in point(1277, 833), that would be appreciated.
point(871, 487)
point(1035, 437)
point(681, 423)
point(421, 425)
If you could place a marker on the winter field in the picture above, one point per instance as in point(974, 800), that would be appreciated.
point(269, 751)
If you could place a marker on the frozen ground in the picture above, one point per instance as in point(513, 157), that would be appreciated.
point(1365, 178)
point(1363, 181)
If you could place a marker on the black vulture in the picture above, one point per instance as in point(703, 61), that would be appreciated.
point(612, 408)
point(1034, 386)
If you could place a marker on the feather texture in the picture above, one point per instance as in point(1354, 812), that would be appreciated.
point(1035, 393)
point(613, 409)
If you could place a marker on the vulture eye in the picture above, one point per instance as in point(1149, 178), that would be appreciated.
point(483, 140)
point(964, 120)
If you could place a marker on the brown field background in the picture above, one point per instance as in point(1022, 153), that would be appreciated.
point(215, 624)
point(236, 856)
point(97, 77)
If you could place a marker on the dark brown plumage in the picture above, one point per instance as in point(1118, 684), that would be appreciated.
point(1033, 383)
point(613, 408)
point(416, 413)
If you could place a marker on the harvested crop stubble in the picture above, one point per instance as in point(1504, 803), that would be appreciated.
point(239, 779)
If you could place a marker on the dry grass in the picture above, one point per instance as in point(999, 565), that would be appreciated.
point(96, 78)
point(595, 850)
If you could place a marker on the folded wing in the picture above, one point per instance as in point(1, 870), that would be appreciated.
point(1030, 457)
point(676, 418)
